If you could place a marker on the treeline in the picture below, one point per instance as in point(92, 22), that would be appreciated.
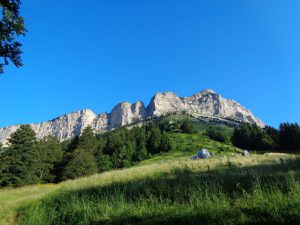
point(28, 160)
point(252, 137)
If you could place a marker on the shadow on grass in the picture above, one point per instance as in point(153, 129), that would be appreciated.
point(263, 194)
point(199, 219)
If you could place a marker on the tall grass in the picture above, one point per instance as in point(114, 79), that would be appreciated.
point(249, 190)
point(12, 198)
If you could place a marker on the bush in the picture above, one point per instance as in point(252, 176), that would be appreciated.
point(104, 163)
point(187, 128)
point(81, 164)
point(215, 134)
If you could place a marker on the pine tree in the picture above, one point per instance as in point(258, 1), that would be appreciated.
point(250, 136)
point(87, 140)
point(104, 163)
point(187, 128)
point(81, 164)
point(22, 155)
point(289, 136)
point(165, 143)
point(154, 139)
point(141, 141)
point(49, 156)
point(215, 134)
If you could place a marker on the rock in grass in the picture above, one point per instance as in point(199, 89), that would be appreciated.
point(203, 153)
point(245, 153)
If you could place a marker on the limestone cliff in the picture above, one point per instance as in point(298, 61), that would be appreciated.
point(206, 103)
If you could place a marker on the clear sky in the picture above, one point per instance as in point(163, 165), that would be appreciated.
point(94, 54)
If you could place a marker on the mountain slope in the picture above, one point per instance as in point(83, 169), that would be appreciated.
point(259, 189)
point(203, 104)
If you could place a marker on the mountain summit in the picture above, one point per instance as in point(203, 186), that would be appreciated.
point(206, 104)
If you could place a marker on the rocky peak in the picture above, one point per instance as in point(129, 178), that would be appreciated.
point(162, 103)
point(126, 113)
point(138, 109)
point(206, 103)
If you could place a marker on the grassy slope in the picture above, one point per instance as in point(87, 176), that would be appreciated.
point(262, 189)
point(11, 199)
point(186, 145)
point(199, 124)
point(170, 189)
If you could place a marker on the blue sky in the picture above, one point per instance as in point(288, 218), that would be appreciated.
point(94, 54)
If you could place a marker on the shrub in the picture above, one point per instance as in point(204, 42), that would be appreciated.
point(215, 134)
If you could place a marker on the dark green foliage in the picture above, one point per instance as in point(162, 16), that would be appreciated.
point(21, 159)
point(82, 163)
point(49, 157)
point(11, 26)
point(68, 148)
point(70, 145)
point(120, 146)
point(187, 128)
point(141, 142)
point(165, 143)
point(87, 140)
point(51, 161)
point(79, 159)
point(122, 155)
point(140, 154)
point(286, 139)
point(251, 137)
point(289, 136)
point(215, 134)
point(169, 125)
point(154, 138)
point(104, 163)
point(274, 135)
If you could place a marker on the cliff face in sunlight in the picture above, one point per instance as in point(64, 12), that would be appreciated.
point(206, 103)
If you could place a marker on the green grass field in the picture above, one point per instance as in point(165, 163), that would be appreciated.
point(260, 189)
point(170, 188)
point(186, 145)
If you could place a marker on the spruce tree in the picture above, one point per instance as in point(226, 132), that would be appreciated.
point(154, 139)
point(22, 155)
point(250, 136)
point(141, 141)
point(104, 163)
point(81, 164)
point(87, 140)
point(187, 128)
point(289, 136)
point(165, 143)
point(215, 134)
point(49, 156)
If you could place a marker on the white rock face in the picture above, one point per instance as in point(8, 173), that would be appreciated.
point(163, 103)
point(206, 103)
point(62, 127)
point(125, 113)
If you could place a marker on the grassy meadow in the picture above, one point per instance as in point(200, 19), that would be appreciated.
point(170, 188)
point(260, 189)
point(186, 145)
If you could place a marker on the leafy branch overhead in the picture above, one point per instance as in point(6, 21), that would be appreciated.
point(11, 27)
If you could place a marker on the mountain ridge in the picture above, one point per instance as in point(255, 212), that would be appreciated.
point(206, 103)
